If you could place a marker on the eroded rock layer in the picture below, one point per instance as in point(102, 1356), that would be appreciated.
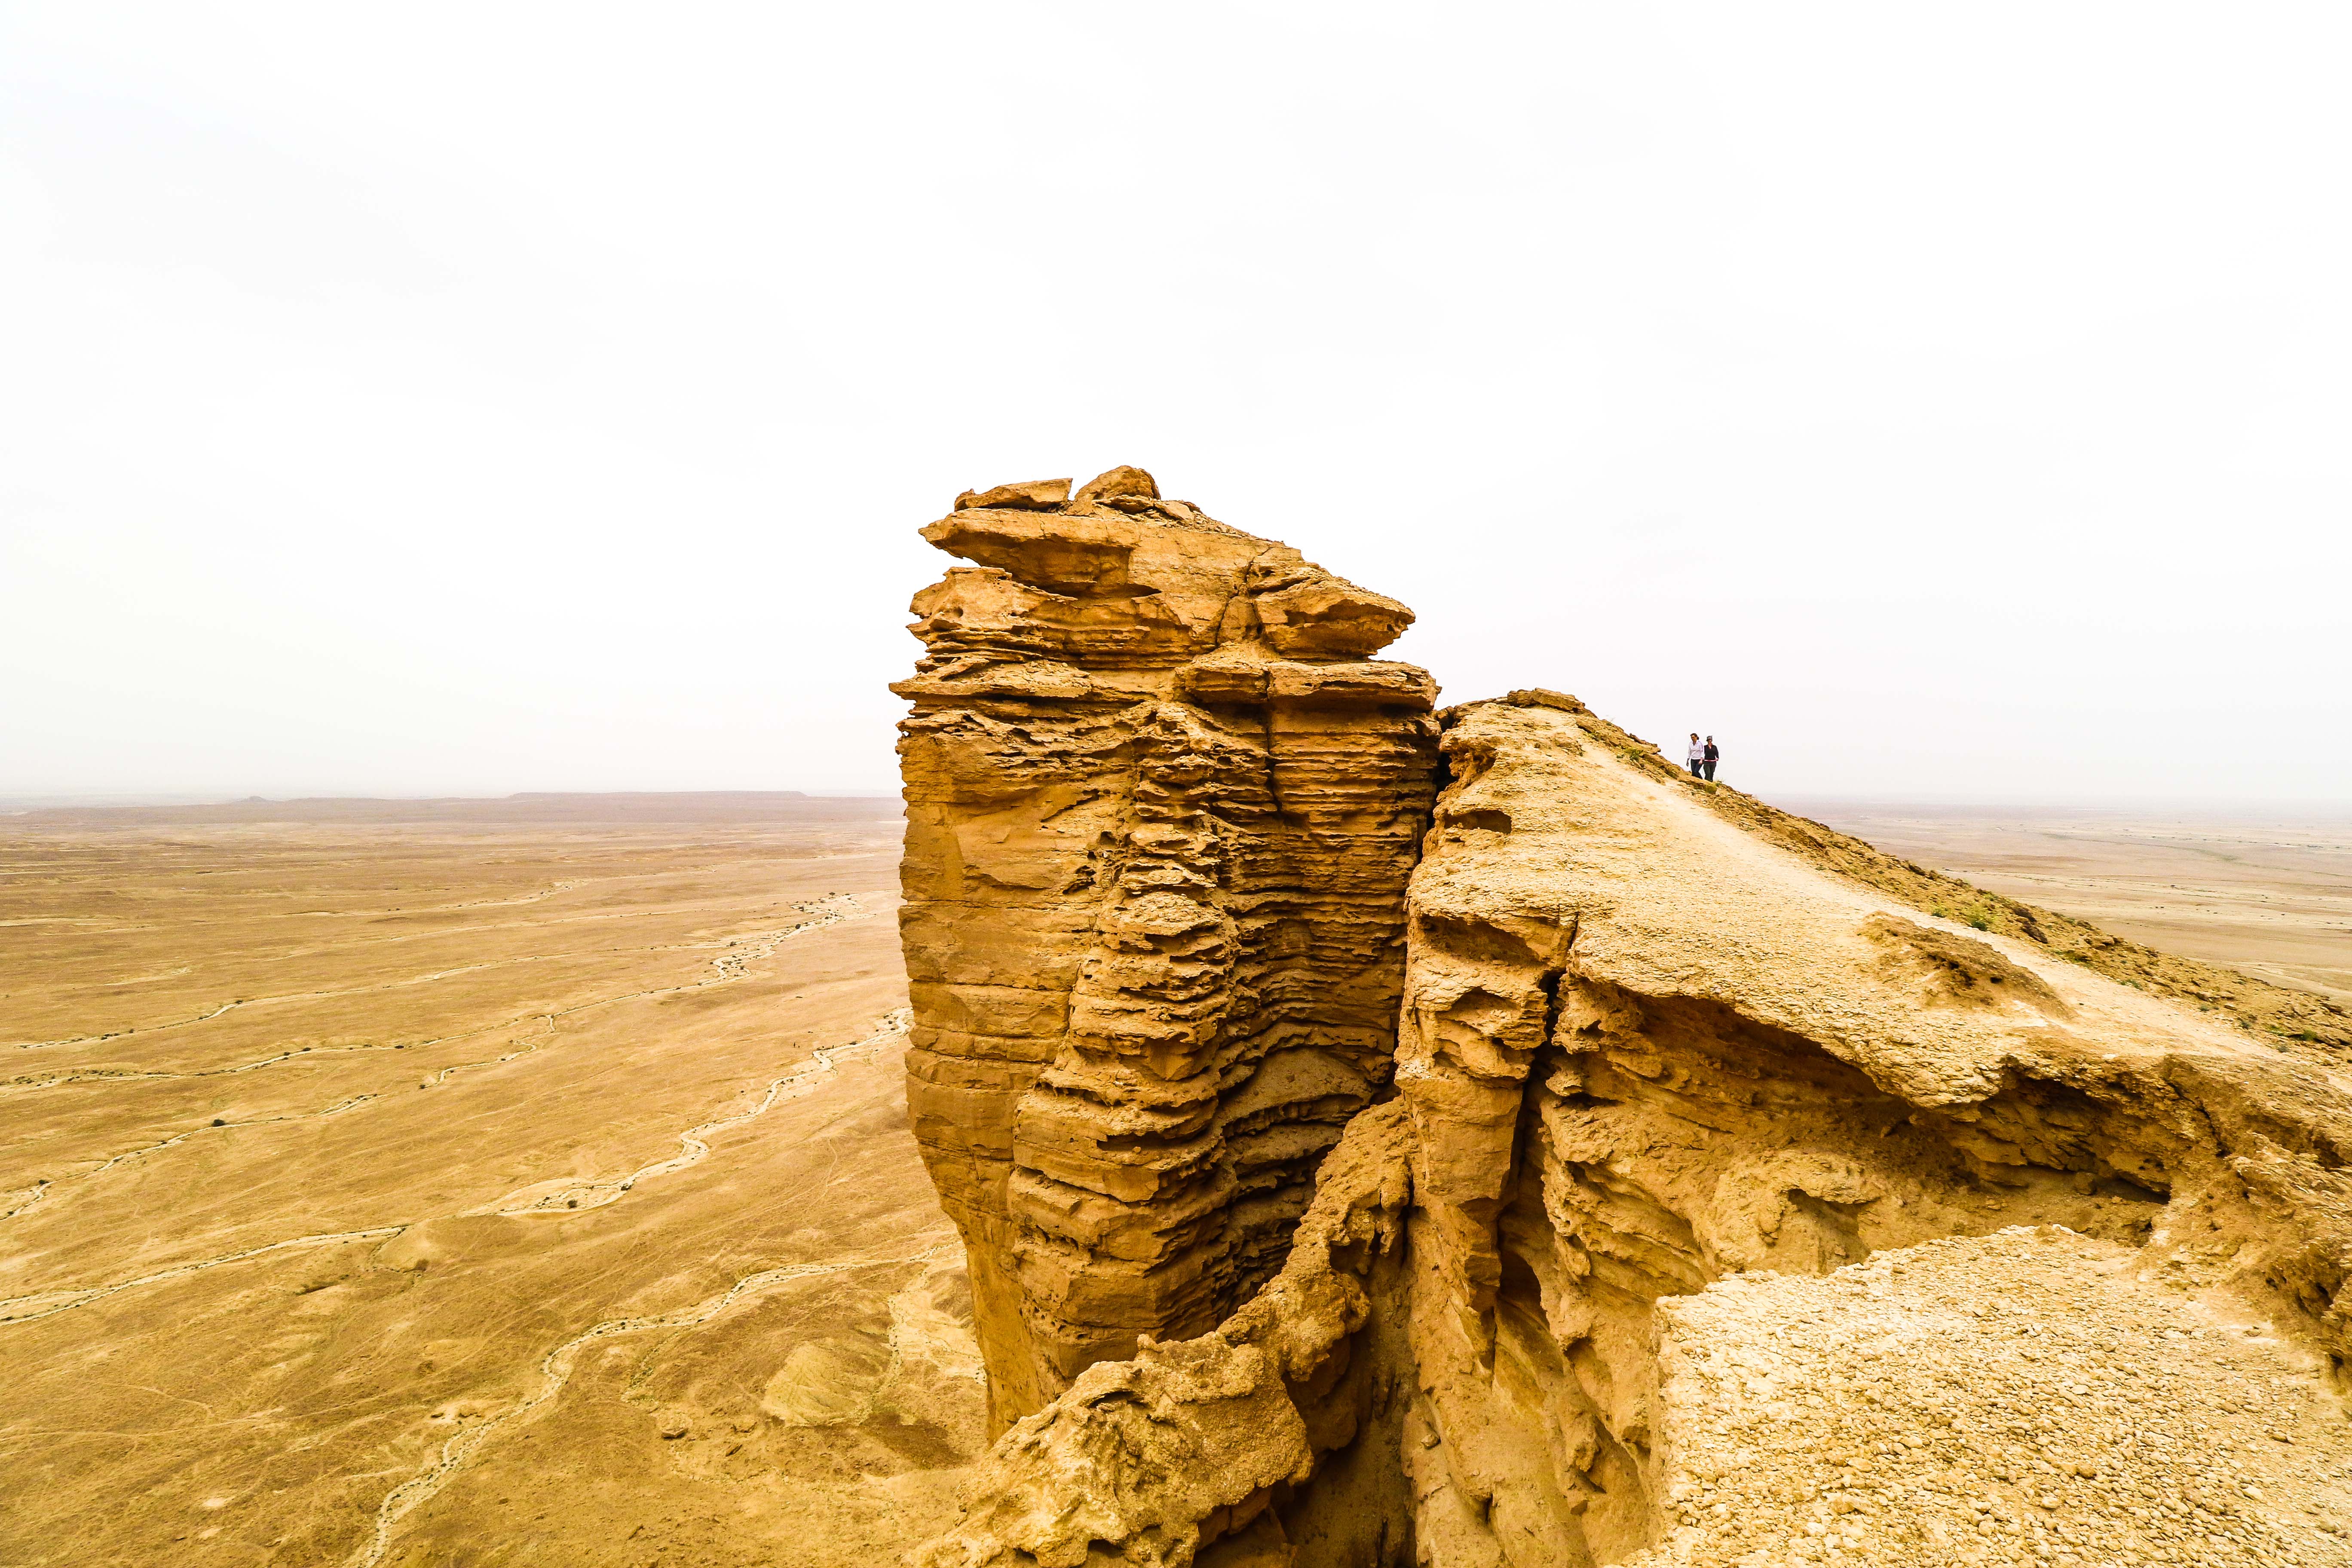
point(1647, 1049)
point(1706, 1133)
point(1161, 808)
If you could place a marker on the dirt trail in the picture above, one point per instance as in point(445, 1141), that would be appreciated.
point(731, 965)
point(33, 1308)
point(28, 1082)
point(272, 1372)
point(823, 912)
point(555, 1370)
point(32, 1196)
point(247, 921)
point(694, 1141)
point(570, 1199)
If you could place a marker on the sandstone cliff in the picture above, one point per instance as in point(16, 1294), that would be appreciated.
point(1739, 1193)
point(1647, 1049)
point(1161, 811)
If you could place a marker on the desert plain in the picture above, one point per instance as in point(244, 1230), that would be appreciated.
point(528, 1180)
point(467, 1183)
point(2267, 893)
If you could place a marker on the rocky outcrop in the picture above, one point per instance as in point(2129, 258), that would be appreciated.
point(1688, 1100)
point(1199, 1441)
point(1162, 807)
point(1646, 1049)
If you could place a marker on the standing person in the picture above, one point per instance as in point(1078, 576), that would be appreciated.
point(1697, 755)
point(1711, 756)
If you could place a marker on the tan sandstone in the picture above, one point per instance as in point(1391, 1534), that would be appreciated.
point(1735, 1193)
point(1161, 811)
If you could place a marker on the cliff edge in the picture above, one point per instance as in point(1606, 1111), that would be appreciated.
point(1161, 806)
point(1719, 1190)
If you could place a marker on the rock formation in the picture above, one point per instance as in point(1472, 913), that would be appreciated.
point(1735, 1193)
point(1161, 811)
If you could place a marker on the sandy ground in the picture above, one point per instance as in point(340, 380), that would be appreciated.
point(466, 1188)
point(2269, 897)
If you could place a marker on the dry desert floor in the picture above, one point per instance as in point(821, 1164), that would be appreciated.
point(507, 1183)
point(2269, 895)
point(527, 1182)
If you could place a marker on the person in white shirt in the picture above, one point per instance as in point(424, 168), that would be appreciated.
point(1697, 754)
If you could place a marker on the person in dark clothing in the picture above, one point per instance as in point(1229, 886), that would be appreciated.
point(1711, 756)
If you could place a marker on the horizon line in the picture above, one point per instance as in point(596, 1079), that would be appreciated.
point(19, 804)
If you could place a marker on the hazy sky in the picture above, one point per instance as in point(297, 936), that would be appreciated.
point(1930, 401)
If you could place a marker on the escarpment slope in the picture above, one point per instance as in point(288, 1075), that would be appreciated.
point(1161, 811)
point(1690, 1103)
point(2245, 1001)
point(1646, 1050)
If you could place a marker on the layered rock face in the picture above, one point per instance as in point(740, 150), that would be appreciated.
point(1730, 1203)
point(1650, 1053)
point(1161, 808)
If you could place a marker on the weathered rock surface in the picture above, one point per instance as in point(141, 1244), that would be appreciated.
point(1647, 1049)
point(1663, 1055)
point(1197, 1441)
point(1161, 808)
point(1975, 1398)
